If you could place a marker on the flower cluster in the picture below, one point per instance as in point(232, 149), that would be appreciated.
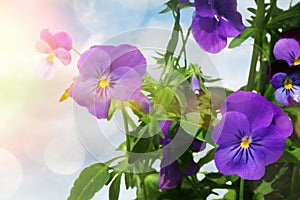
point(285, 71)
point(251, 133)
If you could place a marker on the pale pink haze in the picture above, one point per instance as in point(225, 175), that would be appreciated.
point(57, 45)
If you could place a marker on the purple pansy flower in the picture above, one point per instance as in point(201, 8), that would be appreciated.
point(108, 72)
point(287, 49)
point(54, 45)
point(287, 87)
point(250, 135)
point(214, 21)
point(171, 174)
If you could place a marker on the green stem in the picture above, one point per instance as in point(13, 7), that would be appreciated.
point(77, 52)
point(130, 121)
point(183, 48)
point(294, 186)
point(125, 121)
point(259, 22)
point(174, 37)
point(241, 195)
point(193, 186)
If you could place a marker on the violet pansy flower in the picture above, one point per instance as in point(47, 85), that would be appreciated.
point(108, 72)
point(170, 175)
point(287, 49)
point(287, 87)
point(250, 135)
point(214, 21)
point(57, 45)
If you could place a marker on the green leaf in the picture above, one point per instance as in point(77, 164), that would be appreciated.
point(252, 10)
point(114, 189)
point(266, 187)
point(230, 195)
point(151, 185)
point(90, 181)
point(258, 196)
point(207, 158)
point(237, 41)
point(130, 180)
point(288, 15)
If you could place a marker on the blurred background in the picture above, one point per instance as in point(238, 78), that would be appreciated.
point(40, 151)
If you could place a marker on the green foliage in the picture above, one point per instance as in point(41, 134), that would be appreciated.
point(237, 41)
point(90, 181)
point(114, 188)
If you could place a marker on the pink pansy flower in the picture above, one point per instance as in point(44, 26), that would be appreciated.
point(57, 45)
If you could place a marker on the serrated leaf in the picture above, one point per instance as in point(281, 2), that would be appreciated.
point(114, 189)
point(252, 10)
point(90, 181)
point(237, 41)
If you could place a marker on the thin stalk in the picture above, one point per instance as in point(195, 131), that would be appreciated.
point(294, 186)
point(125, 121)
point(241, 194)
point(130, 121)
point(77, 52)
point(183, 48)
point(260, 23)
point(193, 186)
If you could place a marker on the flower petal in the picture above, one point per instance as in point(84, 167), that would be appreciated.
point(292, 33)
point(63, 55)
point(269, 140)
point(170, 176)
point(164, 126)
point(142, 100)
point(46, 70)
point(192, 168)
point(278, 66)
point(228, 9)
point(43, 46)
point(127, 81)
point(203, 9)
point(282, 121)
point(48, 38)
point(129, 56)
point(278, 80)
point(231, 129)
point(83, 91)
point(198, 145)
point(100, 110)
point(295, 76)
point(249, 165)
point(287, 49)
point(257, 109)
point(282, 96)
point(206, 34)
point(63, 40)
point(94, 63)
point(227, 29)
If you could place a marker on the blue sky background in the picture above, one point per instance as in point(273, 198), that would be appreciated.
point(41, 147)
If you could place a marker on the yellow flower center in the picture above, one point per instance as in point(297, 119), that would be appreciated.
point(103, 83)
point(51, 57)
point(246, 142)
point(297, 61)
point(288, 83)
